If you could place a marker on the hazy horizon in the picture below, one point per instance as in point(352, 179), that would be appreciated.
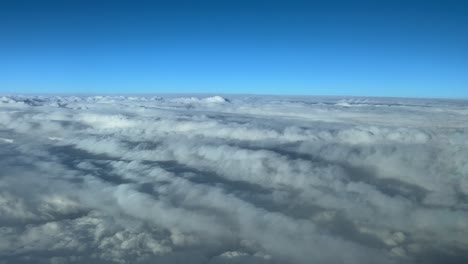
point(224, 94)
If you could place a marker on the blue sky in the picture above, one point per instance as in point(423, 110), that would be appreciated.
point(361, 48)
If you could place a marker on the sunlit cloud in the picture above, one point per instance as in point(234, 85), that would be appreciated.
point(244, 179)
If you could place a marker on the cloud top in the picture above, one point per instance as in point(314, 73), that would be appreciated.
point(243, 179)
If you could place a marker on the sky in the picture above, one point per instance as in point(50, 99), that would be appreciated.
point(358, 48)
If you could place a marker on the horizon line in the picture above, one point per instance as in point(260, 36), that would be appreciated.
point(227, 94)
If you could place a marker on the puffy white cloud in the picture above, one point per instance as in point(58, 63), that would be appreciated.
point(249, 179)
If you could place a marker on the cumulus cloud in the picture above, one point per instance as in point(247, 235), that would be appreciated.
point(244, 179)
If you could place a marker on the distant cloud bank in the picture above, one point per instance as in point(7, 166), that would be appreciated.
point(243, 179)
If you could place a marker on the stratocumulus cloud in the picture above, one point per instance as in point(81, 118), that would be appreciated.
point(244, 179)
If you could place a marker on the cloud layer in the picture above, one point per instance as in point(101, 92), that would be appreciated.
point(244, 179)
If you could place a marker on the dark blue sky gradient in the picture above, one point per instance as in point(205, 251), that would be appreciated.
point(374, 48)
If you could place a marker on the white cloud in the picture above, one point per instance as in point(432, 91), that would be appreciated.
point(122, 179)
